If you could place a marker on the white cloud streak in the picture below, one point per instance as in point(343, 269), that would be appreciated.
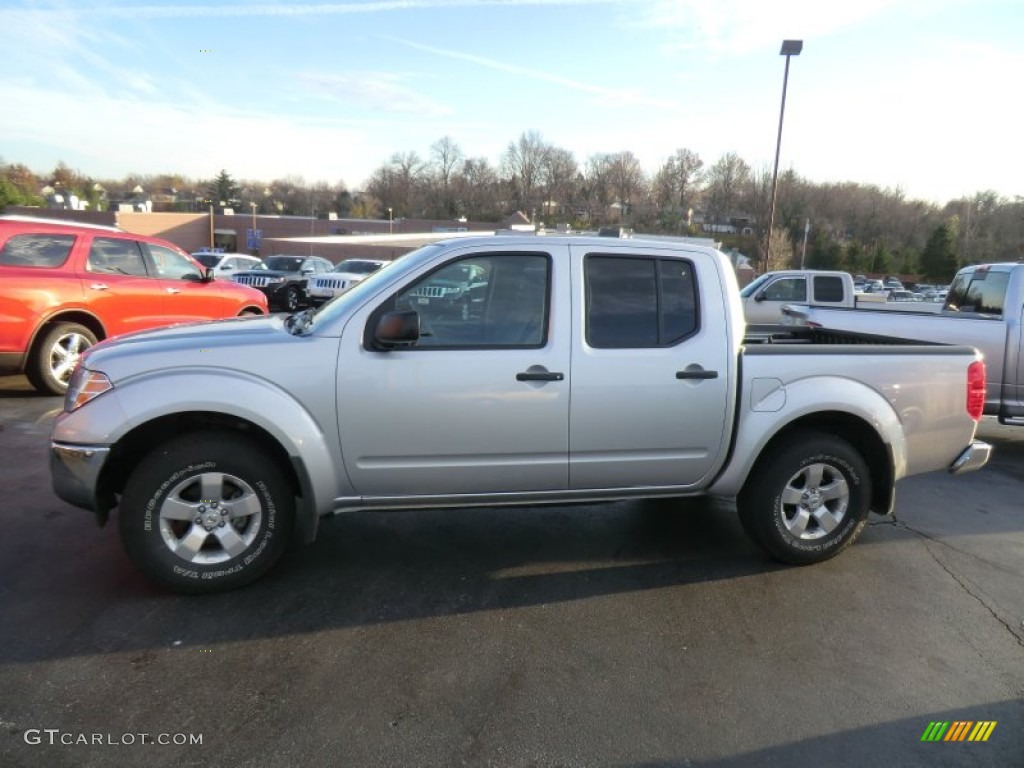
point(316, 9)
point(606, 95)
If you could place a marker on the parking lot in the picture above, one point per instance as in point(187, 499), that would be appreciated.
point(630, 634)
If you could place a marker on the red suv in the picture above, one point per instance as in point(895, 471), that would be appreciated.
point(65, 285)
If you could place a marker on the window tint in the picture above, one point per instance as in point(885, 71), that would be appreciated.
point(498, 300)
point(116, 256)
point(36, 250)
point(638, 302)
point(983, 292)
point(828, 288)
point(171, 265)
point(787, 289)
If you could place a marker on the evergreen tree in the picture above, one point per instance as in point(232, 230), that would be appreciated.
point(938, 260)
point(223, 190)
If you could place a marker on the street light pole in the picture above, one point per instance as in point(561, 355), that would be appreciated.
point(789, 48)
point(390, 222)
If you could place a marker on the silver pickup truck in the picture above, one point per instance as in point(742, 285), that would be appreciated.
point(983, 309)
point(570, 370)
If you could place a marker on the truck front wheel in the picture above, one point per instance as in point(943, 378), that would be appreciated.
point(808, 501)
point(206, 512)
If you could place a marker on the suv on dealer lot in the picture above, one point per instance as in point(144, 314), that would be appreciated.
point(284, 279)
point(322, 288)
point(66, 285)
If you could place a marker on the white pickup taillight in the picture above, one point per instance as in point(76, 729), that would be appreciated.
point(976, 389)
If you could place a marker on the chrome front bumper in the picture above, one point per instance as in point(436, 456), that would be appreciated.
point(975, 456)
point(75, 472)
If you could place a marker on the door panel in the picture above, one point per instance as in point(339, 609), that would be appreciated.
point(118, 289)
point(452, 416)
point(651, 414)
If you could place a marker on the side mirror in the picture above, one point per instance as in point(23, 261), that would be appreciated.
point(208, 275)
point(759, 296)
point(195, 277)
point(397, 329)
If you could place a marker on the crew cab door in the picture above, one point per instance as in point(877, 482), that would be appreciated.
point(480, 403)
point(652, 369)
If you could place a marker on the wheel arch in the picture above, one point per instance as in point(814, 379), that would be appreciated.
point(861, 436)
point(79, 316)
point(132, 447)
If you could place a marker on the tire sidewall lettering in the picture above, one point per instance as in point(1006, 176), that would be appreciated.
point(836, 537)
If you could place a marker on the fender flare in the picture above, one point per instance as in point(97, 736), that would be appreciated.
point(804, 399)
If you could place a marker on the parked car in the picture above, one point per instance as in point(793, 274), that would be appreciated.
point(590, 369)
point(982, 310)
point(226, 264)
point(284, 279)
point(347, 273)
point(66, 285)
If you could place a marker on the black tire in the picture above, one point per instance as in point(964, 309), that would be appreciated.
point(292, 298)
point(233, 496)
point(808, 500)
point(55, 355)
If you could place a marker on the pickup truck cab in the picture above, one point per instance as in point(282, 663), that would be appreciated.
point(514, 370)
point(983, 308)
point(765, 297)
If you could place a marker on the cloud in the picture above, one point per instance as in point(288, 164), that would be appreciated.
point(611, 96)
point(315, 9)
point(383, 91)
point(738, 27)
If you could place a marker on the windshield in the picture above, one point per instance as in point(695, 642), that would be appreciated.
point(358, 267)
point(285, 263)
point(753, 287)
point(369, 285)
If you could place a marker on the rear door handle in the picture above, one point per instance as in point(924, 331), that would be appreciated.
point(99, 286)
point(696, 374)
point(539, 376)
point(173, 290)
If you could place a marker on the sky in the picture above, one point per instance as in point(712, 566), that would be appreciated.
point(923, 96)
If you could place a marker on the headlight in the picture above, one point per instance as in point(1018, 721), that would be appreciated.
point(84, 386)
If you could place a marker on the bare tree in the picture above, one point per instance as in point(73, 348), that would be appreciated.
point(559, 177)
point(445, 156)
point(675, 187)
point(522, 165)
point(726, 178)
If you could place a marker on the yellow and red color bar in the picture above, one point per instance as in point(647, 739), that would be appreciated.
point(959, 730)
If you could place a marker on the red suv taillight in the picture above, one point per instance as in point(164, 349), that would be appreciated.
point(976, 390)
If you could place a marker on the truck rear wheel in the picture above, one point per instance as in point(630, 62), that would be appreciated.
point(808, 501)
point(55, 356)
point(206, 512)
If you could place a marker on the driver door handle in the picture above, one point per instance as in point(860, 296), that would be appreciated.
point(696, 374)
point(539, 376)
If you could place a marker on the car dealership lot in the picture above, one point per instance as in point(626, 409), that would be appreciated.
point(630, 634)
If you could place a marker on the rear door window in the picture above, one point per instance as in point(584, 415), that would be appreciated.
point(116, 256)
point(983, 292)
point(828, 288)
point(639, 302)
point(42, 250)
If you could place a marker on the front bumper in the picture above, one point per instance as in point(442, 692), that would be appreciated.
point(75, 473)
point(975, 456)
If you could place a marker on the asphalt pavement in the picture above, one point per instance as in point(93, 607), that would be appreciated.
point(634, 634)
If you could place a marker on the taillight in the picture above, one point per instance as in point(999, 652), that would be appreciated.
point(976, 389)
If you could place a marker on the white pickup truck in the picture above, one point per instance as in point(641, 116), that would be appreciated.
point(984, 309)
point(561, 370)
point(764, 298)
